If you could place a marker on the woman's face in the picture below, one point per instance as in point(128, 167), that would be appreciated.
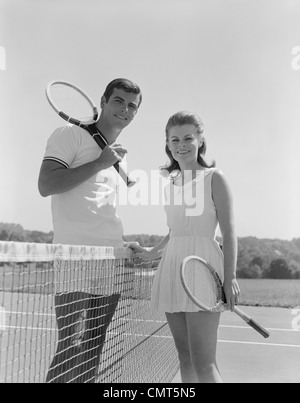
point(184, 142)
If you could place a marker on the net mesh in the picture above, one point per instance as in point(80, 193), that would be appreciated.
point(78, 315)
point(202, 285)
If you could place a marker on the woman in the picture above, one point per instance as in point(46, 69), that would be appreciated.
point(192, 232)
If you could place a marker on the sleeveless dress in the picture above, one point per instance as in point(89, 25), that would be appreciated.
point(192, 219)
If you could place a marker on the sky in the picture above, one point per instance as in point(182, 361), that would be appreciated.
point(233, 62)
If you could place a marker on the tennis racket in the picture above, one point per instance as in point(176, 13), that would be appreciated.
point(73, 105)
point(204, 287)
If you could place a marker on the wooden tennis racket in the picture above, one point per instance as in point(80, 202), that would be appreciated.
point(204, 287)
point(76, 107)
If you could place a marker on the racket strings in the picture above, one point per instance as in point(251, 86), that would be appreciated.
point(70, 101)
point(202, 285)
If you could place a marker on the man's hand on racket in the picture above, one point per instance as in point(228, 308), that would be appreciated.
point(232, 292)
point(74, 106)
point(111, 154)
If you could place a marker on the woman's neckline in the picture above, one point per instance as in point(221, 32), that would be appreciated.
point(198, 176)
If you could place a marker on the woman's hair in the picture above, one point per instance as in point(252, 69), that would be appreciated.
point(123, 84)
point(185, 118)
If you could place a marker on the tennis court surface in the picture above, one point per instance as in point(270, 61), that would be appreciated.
point(138, 347)
point(245, 357)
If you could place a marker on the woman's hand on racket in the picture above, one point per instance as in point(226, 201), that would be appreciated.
point(232, 292)
point(111, 154)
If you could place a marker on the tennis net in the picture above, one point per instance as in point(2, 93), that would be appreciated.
point(80, 314)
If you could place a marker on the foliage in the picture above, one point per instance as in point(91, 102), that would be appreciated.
point(257, 258)
point(268, 292)
point(268, 258)
point(16, 233)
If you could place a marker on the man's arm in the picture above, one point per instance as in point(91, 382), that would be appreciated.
point(54, 178)
point(153, 253)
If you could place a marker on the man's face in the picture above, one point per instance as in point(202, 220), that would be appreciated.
point(121, 107)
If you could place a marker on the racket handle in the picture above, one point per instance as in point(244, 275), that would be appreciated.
point(101, 141)
point(256, 326)
point(259, 328)
point(123, 175)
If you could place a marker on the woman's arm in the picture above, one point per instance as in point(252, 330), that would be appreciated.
point(222, 197)
point(153, 253)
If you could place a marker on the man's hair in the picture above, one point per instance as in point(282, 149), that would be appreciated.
point(123, 84)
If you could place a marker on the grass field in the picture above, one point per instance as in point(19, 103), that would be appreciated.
point(266, 292)
point(34, 279)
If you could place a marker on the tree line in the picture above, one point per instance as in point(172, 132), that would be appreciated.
point(257, 258)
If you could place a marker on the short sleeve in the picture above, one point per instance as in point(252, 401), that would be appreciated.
point(61, 146)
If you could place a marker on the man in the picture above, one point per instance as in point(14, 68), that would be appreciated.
point(80, 179)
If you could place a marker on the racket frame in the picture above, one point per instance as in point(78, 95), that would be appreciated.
point(221, 301)
point(89, 126)
point(62, 114)
point(219, 307)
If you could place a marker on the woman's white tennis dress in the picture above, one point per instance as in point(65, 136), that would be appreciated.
point(192, 219)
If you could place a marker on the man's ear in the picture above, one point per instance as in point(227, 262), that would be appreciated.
point(102, 102)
